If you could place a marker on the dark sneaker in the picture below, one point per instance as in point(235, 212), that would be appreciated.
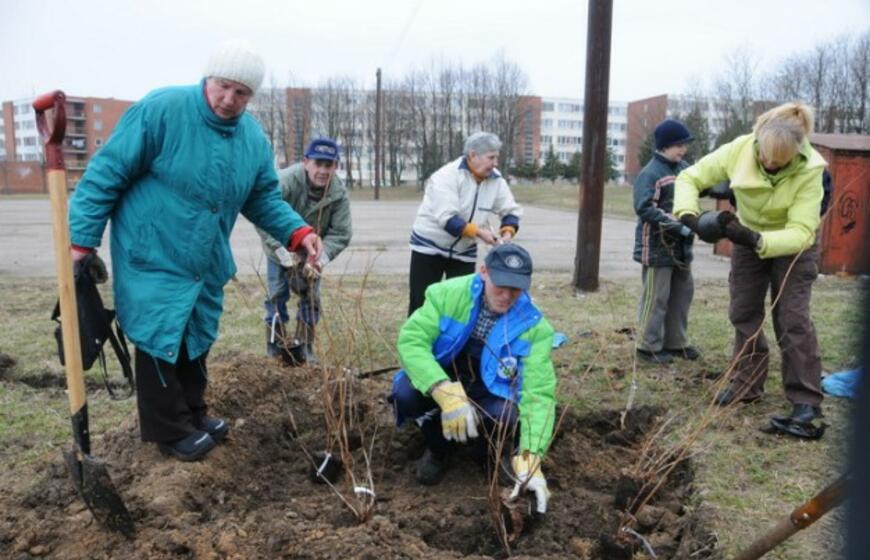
point(430, 468)
point(662, 358)
point(191, 448)
point(729, 395)
point(686, 352)
point(216, 428)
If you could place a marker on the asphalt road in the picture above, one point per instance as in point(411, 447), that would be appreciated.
point(380, 242)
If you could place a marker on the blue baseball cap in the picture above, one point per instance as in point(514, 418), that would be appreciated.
point(509, 266)
point(323, 148)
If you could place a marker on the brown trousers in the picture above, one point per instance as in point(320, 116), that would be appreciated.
point(749, 281)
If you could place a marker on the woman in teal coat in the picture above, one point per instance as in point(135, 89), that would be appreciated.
point(179, 168)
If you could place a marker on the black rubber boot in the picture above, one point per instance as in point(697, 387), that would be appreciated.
point(431, 468)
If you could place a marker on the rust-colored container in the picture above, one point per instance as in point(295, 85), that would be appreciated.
point(845, 229)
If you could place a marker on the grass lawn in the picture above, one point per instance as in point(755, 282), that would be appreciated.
point(745, 479)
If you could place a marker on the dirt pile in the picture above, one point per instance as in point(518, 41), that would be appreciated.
point(252, 497)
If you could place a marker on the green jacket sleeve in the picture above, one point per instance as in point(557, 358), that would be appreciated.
point(337, 236)
point(803, 219)
point(710, 170)
point(537, 406)
point(416, 338)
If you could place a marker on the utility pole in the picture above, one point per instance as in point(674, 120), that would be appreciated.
point(378, 132)
point(599, 24)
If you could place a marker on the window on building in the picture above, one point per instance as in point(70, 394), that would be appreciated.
point(97, 108)
point(98, 125)
point(29, 141)
point(98, 142)
point(17, 125)
point(547, 106)
point(547, 123)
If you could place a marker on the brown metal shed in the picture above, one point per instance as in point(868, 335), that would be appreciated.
point(845, 229)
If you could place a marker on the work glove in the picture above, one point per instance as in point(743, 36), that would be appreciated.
point(690, 221)
point(527, 468)
point(737, 232)
point(91, 263)
point(458, 417)
point(286, 258)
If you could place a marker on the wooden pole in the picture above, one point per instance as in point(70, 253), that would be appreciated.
point(600, 18)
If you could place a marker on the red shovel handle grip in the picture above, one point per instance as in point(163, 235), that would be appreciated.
point(52, 137)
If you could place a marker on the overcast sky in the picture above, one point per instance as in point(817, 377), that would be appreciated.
point(123, 48)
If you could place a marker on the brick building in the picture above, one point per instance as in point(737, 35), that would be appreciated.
point(90, 121)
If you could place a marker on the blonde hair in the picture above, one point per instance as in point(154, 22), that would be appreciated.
point(781, 131)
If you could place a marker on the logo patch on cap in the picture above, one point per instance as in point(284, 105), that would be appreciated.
point(513, 261)
point(323, 149)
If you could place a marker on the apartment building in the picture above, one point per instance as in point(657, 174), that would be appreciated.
point(90, 121)
point(562, 129)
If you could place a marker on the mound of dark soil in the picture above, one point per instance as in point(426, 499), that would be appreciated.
point(253, 498)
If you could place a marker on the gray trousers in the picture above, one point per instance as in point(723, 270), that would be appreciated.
point(749, 281)
point(664, 307)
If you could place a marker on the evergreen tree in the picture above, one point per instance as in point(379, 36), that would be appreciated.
point(612, 171)
point(646, 149)
point(552, 168)
point(573, 169)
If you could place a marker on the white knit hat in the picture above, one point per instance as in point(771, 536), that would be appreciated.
point(237, 61)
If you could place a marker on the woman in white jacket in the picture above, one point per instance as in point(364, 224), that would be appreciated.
point(460, 198)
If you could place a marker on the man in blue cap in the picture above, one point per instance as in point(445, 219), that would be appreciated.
point(315, 191)
point(476, 359)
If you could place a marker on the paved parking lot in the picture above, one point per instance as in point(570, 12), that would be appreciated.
point(380, 242)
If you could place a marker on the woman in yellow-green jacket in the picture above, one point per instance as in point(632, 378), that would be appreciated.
point(776, 177)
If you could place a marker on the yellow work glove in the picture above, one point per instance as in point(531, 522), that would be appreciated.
point(527, 468)
point(458, 418)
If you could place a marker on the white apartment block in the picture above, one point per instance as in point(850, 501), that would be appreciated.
point(562, 128)
point(27, 144)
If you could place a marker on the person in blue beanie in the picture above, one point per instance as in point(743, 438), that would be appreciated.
point(663, 247)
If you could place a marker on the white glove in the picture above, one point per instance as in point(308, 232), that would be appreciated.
point(286, 258)
point(527, 467)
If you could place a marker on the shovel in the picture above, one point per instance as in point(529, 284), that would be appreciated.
point(89, 475)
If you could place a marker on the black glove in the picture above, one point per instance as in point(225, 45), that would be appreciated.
point(92, 264)
point(690, 221)
point(737, 232)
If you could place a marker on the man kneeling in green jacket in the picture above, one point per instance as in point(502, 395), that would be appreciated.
point(477, 355)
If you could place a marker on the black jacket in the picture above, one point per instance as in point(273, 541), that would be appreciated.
point(657, 238)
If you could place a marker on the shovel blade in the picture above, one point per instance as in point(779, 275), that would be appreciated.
point(94, 485)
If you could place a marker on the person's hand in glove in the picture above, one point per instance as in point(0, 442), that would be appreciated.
point(737, 232)
point(458, 417)
point(92, 263)
point(690, 221)
point(527, 468)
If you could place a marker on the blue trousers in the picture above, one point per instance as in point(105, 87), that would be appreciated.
point(492, 410)
point(281, 282)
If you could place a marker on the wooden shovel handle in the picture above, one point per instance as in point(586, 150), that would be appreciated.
point(66, 288)
point(52, 137)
